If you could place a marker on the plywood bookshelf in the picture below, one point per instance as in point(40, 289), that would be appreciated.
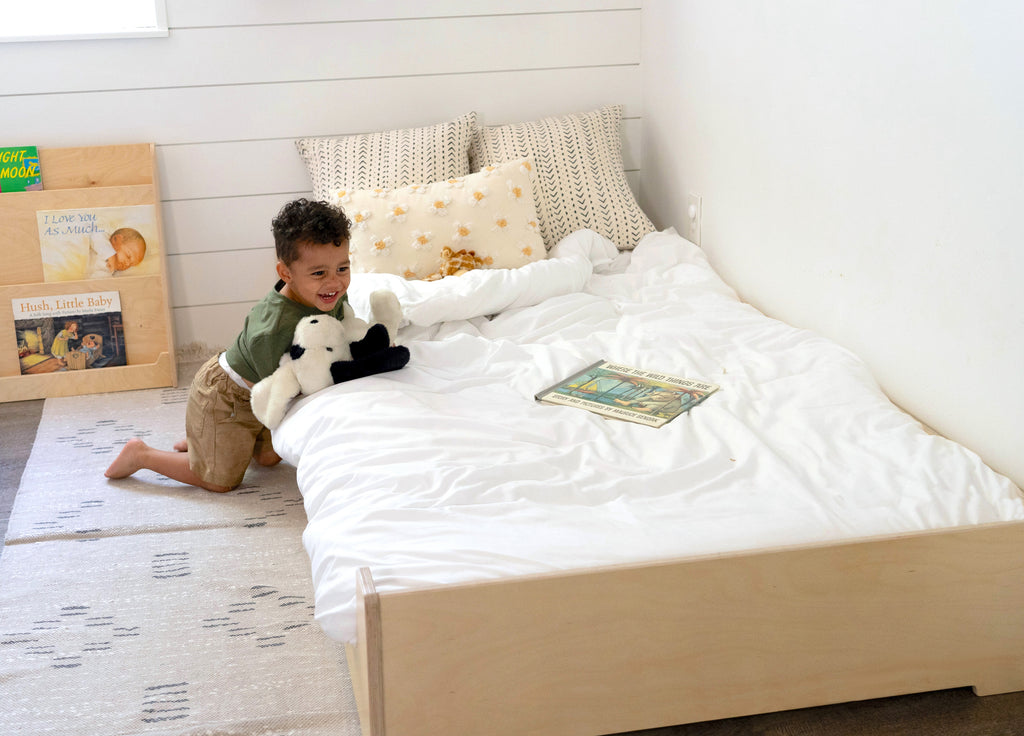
point(77, 178)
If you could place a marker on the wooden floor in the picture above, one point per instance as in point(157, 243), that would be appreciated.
point(944, 713)
point(18, 423)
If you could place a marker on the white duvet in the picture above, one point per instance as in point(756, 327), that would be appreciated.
point(449, 471)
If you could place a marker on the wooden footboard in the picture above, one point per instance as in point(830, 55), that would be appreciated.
point(634, 647)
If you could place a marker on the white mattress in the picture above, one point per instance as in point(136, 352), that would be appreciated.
point(449, 471)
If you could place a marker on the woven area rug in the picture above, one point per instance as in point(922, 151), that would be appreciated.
point(142, 606)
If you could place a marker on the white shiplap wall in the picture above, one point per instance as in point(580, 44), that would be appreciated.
point(236, 81)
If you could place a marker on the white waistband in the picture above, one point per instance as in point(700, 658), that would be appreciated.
point(223, 360)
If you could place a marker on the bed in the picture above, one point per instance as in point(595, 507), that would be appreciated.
point(501, 566)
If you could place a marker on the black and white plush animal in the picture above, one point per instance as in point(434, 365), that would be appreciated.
point(326, 351)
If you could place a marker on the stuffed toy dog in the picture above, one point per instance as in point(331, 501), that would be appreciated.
point(326, 351)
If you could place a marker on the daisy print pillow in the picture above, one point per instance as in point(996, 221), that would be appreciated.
point(403, 231)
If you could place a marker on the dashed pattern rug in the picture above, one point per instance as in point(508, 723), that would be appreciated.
point(142, 606)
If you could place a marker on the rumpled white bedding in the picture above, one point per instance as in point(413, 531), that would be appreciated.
point(449, 471)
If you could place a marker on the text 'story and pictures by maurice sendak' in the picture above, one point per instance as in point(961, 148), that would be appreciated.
point(69, 332)
point(99, 242)
point(19, 169)
point(622, 392)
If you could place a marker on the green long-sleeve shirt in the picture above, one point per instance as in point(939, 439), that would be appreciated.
point(267, 334)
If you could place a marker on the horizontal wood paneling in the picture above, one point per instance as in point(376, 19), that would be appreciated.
point(210, 327)
point(237, 81)
point(230, 223)
point(215, 277)
point(258, 112)
point(183, 13)
point(288, 53)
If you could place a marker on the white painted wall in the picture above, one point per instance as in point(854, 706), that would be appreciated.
point(859, 162)
point(225, 95)
point(862, 173)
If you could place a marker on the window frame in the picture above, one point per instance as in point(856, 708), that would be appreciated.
point(156, 31)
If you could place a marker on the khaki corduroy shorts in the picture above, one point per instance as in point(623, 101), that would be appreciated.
point(221, 429)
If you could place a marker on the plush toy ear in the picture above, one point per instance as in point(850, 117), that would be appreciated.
point(375, 340)
point(381, 361)
point(354, 328)
point(372, 354)
point(386, 309)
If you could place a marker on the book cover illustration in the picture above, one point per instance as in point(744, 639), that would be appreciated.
point(69, 332)
point(623, 392)
point(99, 242)
point(19, 169)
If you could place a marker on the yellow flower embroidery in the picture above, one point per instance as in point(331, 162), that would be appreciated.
point(344, 196)
point(397, 213)
point(421, 240)
point(440, 206)
point(514, 192)
point(382, 246)
point(500, 223)
point(360, 219)
point(462, 232)
point(526, 250)
point(479, 196)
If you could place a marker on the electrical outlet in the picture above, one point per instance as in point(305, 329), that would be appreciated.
point(693, 216)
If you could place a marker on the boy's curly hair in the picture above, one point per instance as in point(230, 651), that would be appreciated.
point(304, 221)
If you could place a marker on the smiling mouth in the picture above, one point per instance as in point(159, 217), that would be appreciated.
point(329, 296)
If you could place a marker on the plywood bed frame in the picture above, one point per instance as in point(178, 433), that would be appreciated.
point(632, 647)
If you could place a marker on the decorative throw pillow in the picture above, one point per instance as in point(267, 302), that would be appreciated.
point(390, 158)
point(490, 214)
point(580, 181)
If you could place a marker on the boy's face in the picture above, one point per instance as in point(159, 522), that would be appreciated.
point(319, 277)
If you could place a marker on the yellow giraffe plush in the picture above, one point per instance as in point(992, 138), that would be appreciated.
point(456, 263)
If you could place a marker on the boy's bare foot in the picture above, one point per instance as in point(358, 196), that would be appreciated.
point(263, 453)
point(128, 461)
point(137, 455)
point(181, 446)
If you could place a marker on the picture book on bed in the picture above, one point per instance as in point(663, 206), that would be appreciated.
point(622, 392)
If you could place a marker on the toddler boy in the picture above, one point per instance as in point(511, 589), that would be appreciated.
point(221, 433)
